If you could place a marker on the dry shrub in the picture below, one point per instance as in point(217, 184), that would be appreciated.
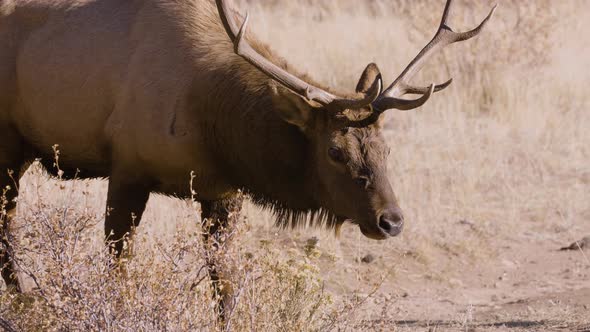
point(73, 282)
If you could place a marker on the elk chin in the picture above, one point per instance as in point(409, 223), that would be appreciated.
point(373, 233)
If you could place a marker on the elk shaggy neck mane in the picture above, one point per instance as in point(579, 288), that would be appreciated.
point(264, 155)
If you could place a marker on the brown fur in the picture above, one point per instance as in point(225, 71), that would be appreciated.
point(146, 91)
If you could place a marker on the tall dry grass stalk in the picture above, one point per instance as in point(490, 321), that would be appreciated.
point(506, 147)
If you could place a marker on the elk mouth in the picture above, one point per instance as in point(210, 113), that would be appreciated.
point(373, 232)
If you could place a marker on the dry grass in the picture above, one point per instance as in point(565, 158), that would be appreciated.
point(505, 149)
point(163, 285)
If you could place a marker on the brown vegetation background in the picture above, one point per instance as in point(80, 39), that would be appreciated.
point(493, 175)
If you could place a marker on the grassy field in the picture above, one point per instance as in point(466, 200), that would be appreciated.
point(493, 175)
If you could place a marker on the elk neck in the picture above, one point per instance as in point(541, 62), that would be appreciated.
point(260, 152)
point(252, 147)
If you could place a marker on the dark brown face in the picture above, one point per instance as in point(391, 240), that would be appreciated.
point(352, 180)
point(349, 165)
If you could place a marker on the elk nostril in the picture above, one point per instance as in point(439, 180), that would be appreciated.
point(385, 225)
point(391, 222)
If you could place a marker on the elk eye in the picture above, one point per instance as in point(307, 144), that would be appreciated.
point(337, 155)
point(362, 181)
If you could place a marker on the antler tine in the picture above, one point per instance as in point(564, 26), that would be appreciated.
point(401, 85)
point(243, 49)
point(422, 90)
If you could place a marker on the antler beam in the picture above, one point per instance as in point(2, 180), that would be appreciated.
point(243, 49)
point(401, 85)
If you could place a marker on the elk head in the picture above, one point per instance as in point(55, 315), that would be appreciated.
point(348, 151)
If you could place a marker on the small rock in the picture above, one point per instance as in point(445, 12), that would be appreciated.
point(466, 222)
point(579, 245)
point(369, 258)
point(495, 298)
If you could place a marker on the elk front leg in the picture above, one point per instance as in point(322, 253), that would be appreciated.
point(126, 201)
point(218, 218)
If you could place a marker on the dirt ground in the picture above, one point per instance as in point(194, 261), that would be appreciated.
point(530, 286)
point(522, 283)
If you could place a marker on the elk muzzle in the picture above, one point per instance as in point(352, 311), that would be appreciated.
point(391, 221)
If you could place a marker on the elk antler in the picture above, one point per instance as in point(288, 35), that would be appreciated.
point(401, 86)
point(243, 49)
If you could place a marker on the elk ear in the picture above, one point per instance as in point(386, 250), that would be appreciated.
point(291, 107)
point(368, 78)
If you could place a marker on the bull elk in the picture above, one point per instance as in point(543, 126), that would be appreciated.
point(144, 92)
